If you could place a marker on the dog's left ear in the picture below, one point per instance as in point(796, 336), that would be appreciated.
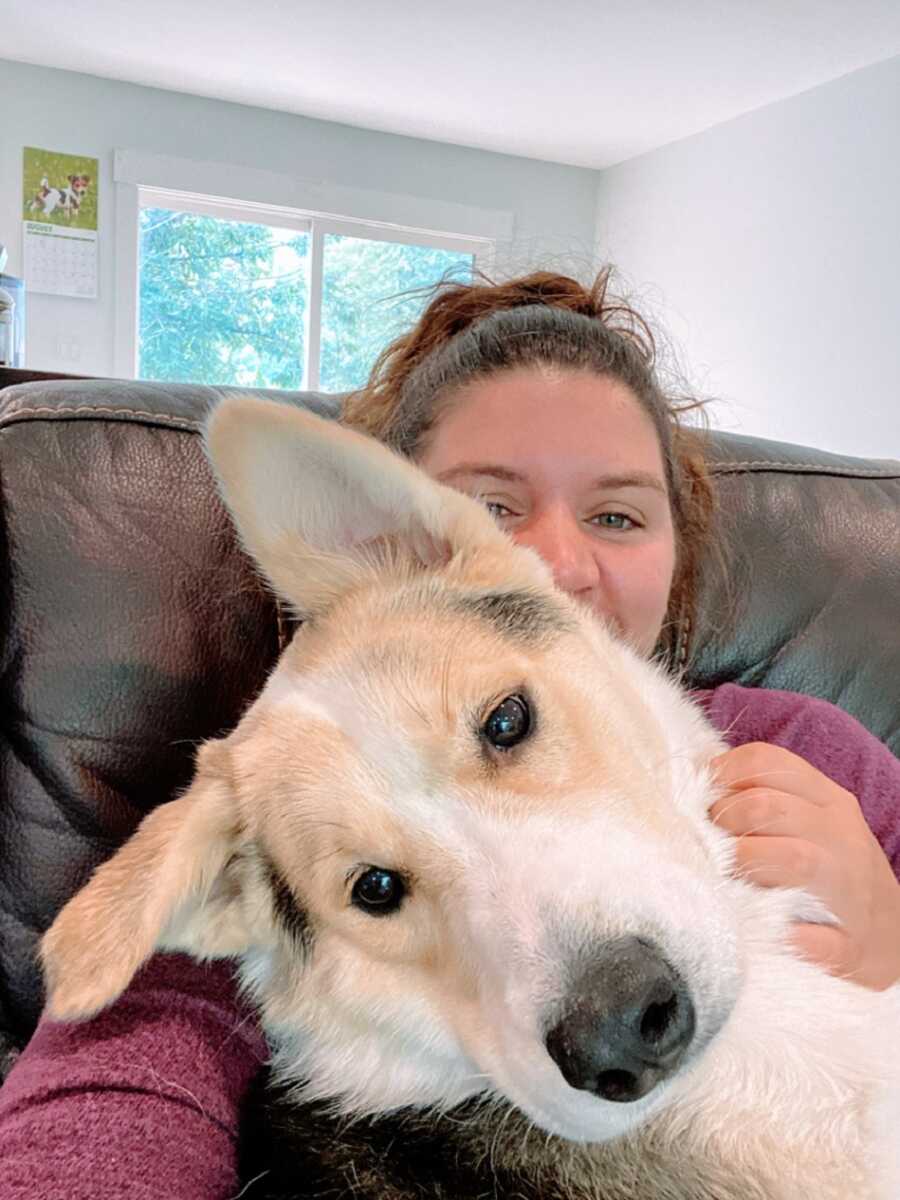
point(310, 498)
point(166, 888)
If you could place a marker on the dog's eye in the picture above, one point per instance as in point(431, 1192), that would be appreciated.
point(378, 892)
point(508, 724)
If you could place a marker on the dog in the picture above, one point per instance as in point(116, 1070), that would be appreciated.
point(68, 198)
point(460, 848)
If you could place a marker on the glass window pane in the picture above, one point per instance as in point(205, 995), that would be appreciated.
point(363, 305)
point(221, 302)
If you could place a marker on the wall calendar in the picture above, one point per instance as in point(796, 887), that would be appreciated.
point(60, 223)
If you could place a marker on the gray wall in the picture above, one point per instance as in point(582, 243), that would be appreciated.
point(769, 246)
point(553, 206)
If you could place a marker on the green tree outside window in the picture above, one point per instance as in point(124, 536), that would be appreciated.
point(225, 302)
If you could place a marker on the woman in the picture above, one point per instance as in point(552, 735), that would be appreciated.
point(539, 398)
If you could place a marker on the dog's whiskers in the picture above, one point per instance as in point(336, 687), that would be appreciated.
point(249, 1184)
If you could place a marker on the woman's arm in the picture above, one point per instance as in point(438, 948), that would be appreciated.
point(142, 1101)
point(814, 801)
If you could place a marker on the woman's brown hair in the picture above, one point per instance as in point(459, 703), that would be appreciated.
point(474, 330)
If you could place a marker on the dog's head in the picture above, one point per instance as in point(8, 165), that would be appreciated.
point(459, 842)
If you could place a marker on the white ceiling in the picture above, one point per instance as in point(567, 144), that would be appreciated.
point(585, 82)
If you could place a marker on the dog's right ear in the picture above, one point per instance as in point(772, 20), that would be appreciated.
point(310, 498)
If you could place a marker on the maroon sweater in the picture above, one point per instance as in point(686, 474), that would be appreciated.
point(142, 1101)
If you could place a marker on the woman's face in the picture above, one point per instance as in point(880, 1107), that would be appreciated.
point(569, 464)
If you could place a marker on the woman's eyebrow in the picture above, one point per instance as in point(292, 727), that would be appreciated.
point(473, 468)
point(636, 479)
point(625, 479)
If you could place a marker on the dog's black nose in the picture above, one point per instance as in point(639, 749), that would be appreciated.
point(626, 1024)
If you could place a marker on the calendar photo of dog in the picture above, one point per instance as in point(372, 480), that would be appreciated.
point(66, 199)
point(459, 847)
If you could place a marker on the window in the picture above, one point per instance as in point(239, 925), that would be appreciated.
point(250, 296)
point(366, 301)
point(221, 301)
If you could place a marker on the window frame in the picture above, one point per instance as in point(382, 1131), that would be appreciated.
point(132, 196)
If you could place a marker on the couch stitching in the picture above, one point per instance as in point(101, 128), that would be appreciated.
point(195, 426)
point(166, 418)
point(822, 468)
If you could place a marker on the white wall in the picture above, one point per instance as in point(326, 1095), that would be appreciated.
point(769, 246)
point(553, 207)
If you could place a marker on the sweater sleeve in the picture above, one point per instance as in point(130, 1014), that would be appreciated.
point(827, 737)
point(142, 1101)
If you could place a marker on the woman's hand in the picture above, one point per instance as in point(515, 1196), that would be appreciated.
point(797, 828)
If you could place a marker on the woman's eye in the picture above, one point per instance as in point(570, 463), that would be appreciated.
point(614, 520)
point(497, 510)
point(378, 891)
point(508, 724)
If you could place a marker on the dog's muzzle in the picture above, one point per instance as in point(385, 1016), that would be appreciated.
point(627, 1021)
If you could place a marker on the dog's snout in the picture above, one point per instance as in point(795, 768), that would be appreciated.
point(627, 1023)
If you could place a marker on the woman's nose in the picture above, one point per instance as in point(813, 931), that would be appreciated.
point(565, 547)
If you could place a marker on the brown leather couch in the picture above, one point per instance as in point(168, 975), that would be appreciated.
point(133, 627)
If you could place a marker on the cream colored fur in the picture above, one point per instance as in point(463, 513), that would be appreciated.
point(363, 750)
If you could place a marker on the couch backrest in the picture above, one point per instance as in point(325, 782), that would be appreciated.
point(812, 601)
point(133, 627)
